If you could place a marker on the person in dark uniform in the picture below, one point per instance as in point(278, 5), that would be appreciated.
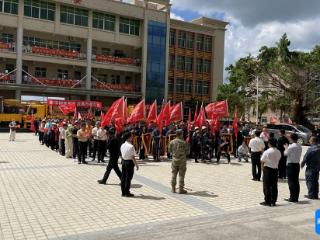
point(282, 141)
point(128, 162)
point(225, 147)
point(114, 150)
point(156, 144)
point(75, 140)
point(196, 144)
point(312, 161)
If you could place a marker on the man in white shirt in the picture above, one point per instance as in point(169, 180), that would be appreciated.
point(102, 147)
point(95, 140)
point(128, 162)
point(256, 146)
point(270, 159)
point(62, 137)
point(13, 127)
point(293, 153)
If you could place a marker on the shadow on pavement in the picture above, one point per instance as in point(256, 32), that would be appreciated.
point(150, 197)
point(4, 162)
point(203, 194)
point(304, 202)
point(136, 186)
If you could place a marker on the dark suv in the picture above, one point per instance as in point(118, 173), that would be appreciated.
point(303, 132)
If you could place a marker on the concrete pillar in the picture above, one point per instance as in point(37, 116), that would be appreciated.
point(167, 54)
point(144, 55)
point(18, 94)
point(88, 97)
point(19, 42)
point(57, 17)
point(89, 52)
point(117, 29)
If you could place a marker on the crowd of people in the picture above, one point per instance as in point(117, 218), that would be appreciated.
point(276, 158)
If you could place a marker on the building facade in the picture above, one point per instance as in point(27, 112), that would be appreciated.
point(103, 49)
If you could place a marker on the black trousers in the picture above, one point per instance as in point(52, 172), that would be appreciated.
point(102, 148)
point(282, 167)
point(75, 148)
point(219, 156)
point(312, 180)
point(293, 170)
point(113, 164)
point(41, 139)
point(270, 185)
point(127, 175)
point(95, 148)
point(62, 147)
point(82, 151)
point(256, 165)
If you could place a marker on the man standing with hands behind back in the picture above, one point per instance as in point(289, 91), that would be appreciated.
point(128, 162)
point(178, 148)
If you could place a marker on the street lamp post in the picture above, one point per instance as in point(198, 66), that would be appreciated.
point(257, 112)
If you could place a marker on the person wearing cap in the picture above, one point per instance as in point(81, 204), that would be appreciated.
point(83, 141)
point(270, 160)
point(178, 148)
point(113, 146)
point(128, 154)
point(95, 140)
point(102, 147)
point(196, 144)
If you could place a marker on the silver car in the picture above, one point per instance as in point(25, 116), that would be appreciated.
point(303, 133)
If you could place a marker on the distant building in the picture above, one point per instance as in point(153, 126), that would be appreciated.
point(103, 49)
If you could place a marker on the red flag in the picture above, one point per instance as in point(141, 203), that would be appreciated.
point(164, 116)
point(195, 114)
point(189, 126)
point(32, 127)
point(114, 112)
point(201, 119)
point(101, 116)
point(152, 116)
point(138, 113)
point(235, 123)
point(176, 113)
point(217, 109)
point(215, 125)
point(75, 112)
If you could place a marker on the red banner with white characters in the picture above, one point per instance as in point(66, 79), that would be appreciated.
point(78, 103)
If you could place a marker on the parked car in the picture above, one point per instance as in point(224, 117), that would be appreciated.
point(303, 133)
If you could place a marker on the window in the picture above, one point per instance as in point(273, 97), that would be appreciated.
point(40, 72)
point(188, 86)
point(200, 42)
point(199, 65)
point(190, 40)
point(129, 26)
point(208, 44)
point(63, 74)
point(32, 41)
point(6, 38)
point(198, 89)
point(180, 86)
point(182, 39)
point(74, 16)
point(39, 9)
point(206, 66)
point(172, 38)
point(180, 62)
point(205, 88)
point(172, 63)
point(106, 51)
point(103, 21)
point(189, 64)
point(9, 6)
point(170, 85)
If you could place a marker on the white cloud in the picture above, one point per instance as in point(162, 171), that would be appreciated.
point(175, 16)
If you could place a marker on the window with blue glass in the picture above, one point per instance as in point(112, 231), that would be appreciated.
point(156, 61)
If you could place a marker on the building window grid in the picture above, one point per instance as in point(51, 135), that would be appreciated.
point(189, 64)
point(106, 51)
point(75, 16)
point(188, 86)
point(9, 6)
point(103, 21)
point(172, 38)
point(208, 44)
point(39, 9)
point(172, 62)
point(182, 39)
point(206, 67)
point(205, 88)
point(129, 26)
point(190, 40)
point(200, 42)
point(62, 74)
point(6, 38)
point(180, 85)
point(33, 41)
point(40, 72)
point(181, 63)
point(199, 65)
point(170, 86)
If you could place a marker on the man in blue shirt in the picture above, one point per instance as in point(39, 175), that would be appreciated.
point(312, 161)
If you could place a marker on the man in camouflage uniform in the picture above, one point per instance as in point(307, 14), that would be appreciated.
point(178, 148)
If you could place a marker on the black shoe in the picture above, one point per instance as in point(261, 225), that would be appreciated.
point(103, 161)
point(129, 195)
point(290, 200)
point(123, 195)
point(84, 162)
point(265, 204)
point(79, 162)
point(312, 198)
point(196, 161)
point(273, 205)
point(253, 179)
point(101, 182)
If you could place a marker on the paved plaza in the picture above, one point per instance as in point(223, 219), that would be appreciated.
point(46, 196)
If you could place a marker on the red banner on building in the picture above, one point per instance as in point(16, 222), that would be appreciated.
point(78, 103)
